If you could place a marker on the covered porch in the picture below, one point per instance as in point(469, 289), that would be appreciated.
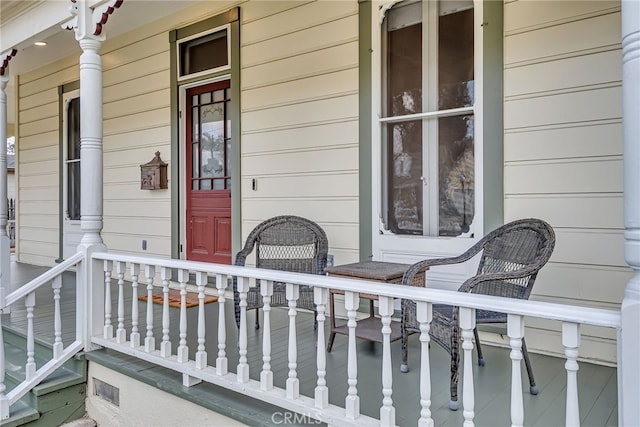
point(596, 392)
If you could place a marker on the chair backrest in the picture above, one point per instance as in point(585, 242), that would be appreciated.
point(518, 244)
point(289, 243)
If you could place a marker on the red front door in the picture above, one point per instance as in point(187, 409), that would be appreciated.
point(208, 138)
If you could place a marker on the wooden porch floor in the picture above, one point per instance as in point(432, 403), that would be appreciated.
point(597, 384)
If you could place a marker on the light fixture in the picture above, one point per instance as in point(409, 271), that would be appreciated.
point(40, 43)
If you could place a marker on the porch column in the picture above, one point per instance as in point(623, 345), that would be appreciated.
point(629, 338)
point(90, 137)
point(90, 278)
point(5, 269)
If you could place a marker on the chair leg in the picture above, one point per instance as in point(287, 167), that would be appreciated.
point(332, 334)
point(533, 389)
point(478, 347)
point(404, 367)
point(454, 405)
point(257, 318)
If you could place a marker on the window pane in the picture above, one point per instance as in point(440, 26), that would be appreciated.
point(455, 60)
point(73, 129)
point(405, 184)
point(456, 175)
point(404, 64)
point(429, 178)
point(204, 53)
point(73, 190)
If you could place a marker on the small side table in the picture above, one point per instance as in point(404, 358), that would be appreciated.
point(369, 328)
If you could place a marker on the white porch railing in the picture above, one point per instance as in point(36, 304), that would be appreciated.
point(113, 334)
point(33, 374)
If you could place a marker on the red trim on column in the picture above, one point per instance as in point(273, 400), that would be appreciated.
point(5, 60)
point(104, 17)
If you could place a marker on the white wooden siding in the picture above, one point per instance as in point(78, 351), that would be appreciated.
point(563, 152)
point(38, 162)
point(300, 117)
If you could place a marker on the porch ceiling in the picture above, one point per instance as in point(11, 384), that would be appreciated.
point(61, 43)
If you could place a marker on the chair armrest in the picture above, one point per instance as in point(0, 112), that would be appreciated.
point(422, 266)
point(520, 273)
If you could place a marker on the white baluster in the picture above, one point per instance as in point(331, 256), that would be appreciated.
point(183, 350)
point(4, 400)
point(293, 383)
point(201, 354)
point(121, 333)
point(571, 343)
point(320, 297)
point(108, 327)
point(165, 346)
point(266, 376)
point(467, 324)
point(221, 361)
point(149, 340)
point(243, 367)
point(352, 401)
point(30, 367)
point(515, 331)
point(56, 284)
point(134, 338)
point(387, 411)
point(424, 315)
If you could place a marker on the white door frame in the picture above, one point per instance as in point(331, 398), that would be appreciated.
point(182, 103)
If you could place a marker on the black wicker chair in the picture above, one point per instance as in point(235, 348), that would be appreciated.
point(288, 243)
point(511, 257)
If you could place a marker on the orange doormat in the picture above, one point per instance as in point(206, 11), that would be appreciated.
point(174, 298)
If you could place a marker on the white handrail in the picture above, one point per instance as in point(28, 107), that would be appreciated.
point(44, 278)
point(539, 309)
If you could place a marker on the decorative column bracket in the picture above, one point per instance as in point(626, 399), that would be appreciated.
point(98, 16)
point(5, 58)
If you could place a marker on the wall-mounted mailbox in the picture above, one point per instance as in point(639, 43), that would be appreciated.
point(153, 175)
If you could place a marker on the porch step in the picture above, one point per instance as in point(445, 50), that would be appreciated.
point(58, 399)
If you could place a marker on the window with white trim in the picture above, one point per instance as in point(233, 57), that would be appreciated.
point(72, 156)
point(427, 118)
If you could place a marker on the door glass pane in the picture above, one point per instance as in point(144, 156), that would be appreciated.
point(195, 117)
point(456, 174)
point(195, 170)
point(405, 183)
point(212, 146)
point(228, 172)
point(205, 98)
point(205, 184)
point(218, 95)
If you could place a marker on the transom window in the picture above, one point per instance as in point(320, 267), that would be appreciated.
point(204, 53)
point(427, 124)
